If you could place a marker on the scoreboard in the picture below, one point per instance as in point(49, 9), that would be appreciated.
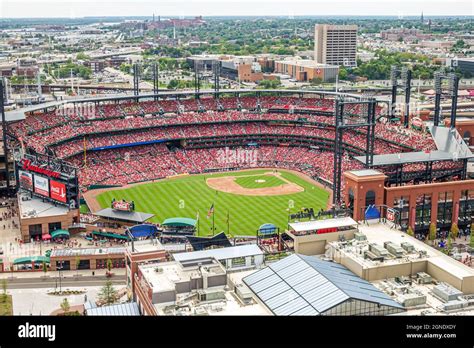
point(49, 179)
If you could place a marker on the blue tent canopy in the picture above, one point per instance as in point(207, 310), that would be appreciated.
point(372, 213)
point(143, 230)
point(267, 229)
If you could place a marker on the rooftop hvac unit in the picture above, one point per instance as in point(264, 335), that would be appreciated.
point(423, 278)
point(453, 305)
point(371, 256)
point(243, 293)
point(393, 249)
point(408, 247)
point(378, 250)
point(359, 236)
point(446, 292)
point(412, 299)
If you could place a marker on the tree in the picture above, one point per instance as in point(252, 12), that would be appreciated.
point(108, 294)
point(109, 265)
point(65, 306)
point(45, 267)
point(78, 261)
point(432, 234)
point(4, 290)
point(471, 236)
point(450, 242)
point(343, 73)
point(316, 81)
point(410, 231)
point(454, 230)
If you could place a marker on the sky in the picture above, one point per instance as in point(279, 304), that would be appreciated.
point(84, 8)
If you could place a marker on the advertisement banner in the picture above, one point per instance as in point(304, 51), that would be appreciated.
point(26, 180)
point(58, 191)
point(391, 214)
point(41, 186)
point(123, 205)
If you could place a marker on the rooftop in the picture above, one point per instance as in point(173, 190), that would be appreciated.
point(146, 245)
point(221, 253)
point(86, 252)
point(306, 285)
point(380, 233)
point(322, 224)
point(163, 276)
point(35, 207)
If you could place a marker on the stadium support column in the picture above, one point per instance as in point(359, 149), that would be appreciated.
point(216, 69)
point(197, 80)
point(453, 91)
point(4, 130)
point(437, 108)
point(406, 75)
point(369, 151)
point(393, 79)
point(338, 115)
point(156, 81)
point(136, 80)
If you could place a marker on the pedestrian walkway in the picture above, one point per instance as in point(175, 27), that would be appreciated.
point(64, 274)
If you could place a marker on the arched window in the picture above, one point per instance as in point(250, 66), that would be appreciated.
point(369, 198)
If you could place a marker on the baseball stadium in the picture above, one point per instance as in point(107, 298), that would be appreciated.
point(232, 161)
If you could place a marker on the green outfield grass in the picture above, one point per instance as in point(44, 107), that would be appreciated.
point(250, 181)
point(184, 197)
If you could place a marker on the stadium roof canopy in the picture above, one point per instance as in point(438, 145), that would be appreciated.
point(31, 259)
point(450, 146)
point(117, 309)
point(306, 285)
point(179, 222)
point(221, 253)
point(19, 114)
point(201, 243)
point(322, 224)
point(132, 216)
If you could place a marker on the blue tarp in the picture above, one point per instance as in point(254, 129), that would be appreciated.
point(144, 230)
point(372, 213)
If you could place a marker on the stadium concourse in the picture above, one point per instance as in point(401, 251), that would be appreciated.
point(118, 143)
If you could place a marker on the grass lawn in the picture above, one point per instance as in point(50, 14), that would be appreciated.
point(84, 209)
point(268, 181)
point(185, 196)
point(6, 307)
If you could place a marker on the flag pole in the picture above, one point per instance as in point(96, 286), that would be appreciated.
point(228, 223)
point(213, 219)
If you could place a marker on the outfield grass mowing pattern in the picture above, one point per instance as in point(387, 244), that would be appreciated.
point(184, 197)
point(250, 181)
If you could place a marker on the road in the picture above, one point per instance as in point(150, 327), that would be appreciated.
point(53, 281)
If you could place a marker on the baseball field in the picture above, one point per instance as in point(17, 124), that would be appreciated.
point(249, 198)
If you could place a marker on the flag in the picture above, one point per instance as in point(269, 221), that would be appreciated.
point(211, 211)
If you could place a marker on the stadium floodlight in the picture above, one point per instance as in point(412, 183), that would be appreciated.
point(437, 81)
point(393, 75)
point(404, 73)
point(452, 83)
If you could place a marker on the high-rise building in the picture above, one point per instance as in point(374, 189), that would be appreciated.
point(335, 44)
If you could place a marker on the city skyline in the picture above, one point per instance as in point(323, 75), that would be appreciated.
point(77, 9)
